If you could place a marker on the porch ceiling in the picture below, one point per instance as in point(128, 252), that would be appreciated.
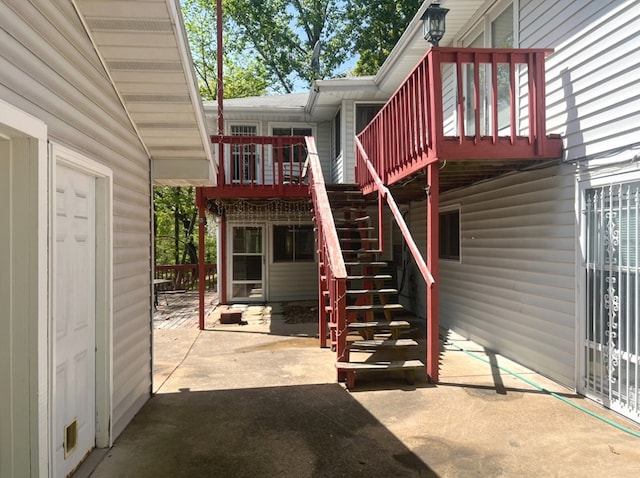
point(143, 47)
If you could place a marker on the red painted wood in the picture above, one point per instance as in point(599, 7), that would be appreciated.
point(252, 154)
point(433, 252)
point(407, 134)
point(222, 282)
point(331, 268)
point(201, 256)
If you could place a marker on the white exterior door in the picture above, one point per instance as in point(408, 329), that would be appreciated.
point(74, 423)
point(611, 298)
point(247, 263)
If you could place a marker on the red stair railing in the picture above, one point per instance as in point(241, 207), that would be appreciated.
point(331, 268)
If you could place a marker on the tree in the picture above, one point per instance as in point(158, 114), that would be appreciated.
point(377, 30)
point(243, 76)
point(296, 40)
point(175, 227)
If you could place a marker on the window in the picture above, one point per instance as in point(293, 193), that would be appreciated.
point(299, 153)
point(496, 30)
point(337, 140)
point(245, 158)
point(450, 235)
point(364, 115)
point(293, 243)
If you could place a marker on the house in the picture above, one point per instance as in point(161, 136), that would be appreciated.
point(98, 102)
point(512, 153)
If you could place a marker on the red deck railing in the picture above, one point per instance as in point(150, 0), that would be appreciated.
point(461, 104)
point(261, 166)
point(185, 276)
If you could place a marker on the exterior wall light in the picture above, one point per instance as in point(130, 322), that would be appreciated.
point(433, 23)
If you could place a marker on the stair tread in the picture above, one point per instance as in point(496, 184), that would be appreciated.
point(366, 263)
point(342, 220)
point(382, 365)
point(380, 324)
point(366, 307)
point(355, 228)
point(362, 239)
point(362, 251)
point(371, 291)
point(372, 277)
point(374, 344)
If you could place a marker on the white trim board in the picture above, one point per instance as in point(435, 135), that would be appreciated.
point(24, 260)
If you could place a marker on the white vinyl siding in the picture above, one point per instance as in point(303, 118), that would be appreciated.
point(293, 281)
point(514, 290)
point(60, 80)
point(290, 280)
point(593, 86)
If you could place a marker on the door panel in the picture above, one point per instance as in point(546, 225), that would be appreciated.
point(611, 339)
point(247, 262)
point(74, 319)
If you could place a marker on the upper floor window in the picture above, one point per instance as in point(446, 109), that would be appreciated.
point(299, 153)
point(245, 158)
point(337, 140)
point(365, 113)
point(495, 30)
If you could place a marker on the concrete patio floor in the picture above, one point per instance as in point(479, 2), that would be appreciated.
point(261, 400)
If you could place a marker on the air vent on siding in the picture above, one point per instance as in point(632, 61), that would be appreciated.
point(145, 65)
point(158, 98)
point(122, 25)
point(167, 125)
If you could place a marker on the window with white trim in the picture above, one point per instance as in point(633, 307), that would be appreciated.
point(293, 243)
point(450, 234)
point(245, 158)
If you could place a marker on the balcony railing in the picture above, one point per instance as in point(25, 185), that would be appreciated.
point(461, 104)
point(185, 276)
point(261, 166)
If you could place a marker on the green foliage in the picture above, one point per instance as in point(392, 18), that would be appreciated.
point(377, 30)
point(243, 75)
point(284, 34)
point(176, 227)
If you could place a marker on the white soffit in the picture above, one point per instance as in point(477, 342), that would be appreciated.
point(143, 46)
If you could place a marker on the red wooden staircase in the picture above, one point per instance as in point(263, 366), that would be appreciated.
point(374, 336)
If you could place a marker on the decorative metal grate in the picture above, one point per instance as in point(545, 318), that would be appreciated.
point(611, 365)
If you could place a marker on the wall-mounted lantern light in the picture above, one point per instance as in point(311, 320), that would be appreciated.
point(433, 22)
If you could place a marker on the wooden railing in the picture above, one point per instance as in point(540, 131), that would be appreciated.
point(332, 272)
point(185, 276)
point(461, 104)
point(261, 166)
point(385, 194)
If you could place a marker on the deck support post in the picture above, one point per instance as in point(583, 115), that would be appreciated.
point(200, 201)
point(222, 260)
point(433, 253)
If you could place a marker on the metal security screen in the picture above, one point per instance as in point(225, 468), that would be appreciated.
point(612, 330)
